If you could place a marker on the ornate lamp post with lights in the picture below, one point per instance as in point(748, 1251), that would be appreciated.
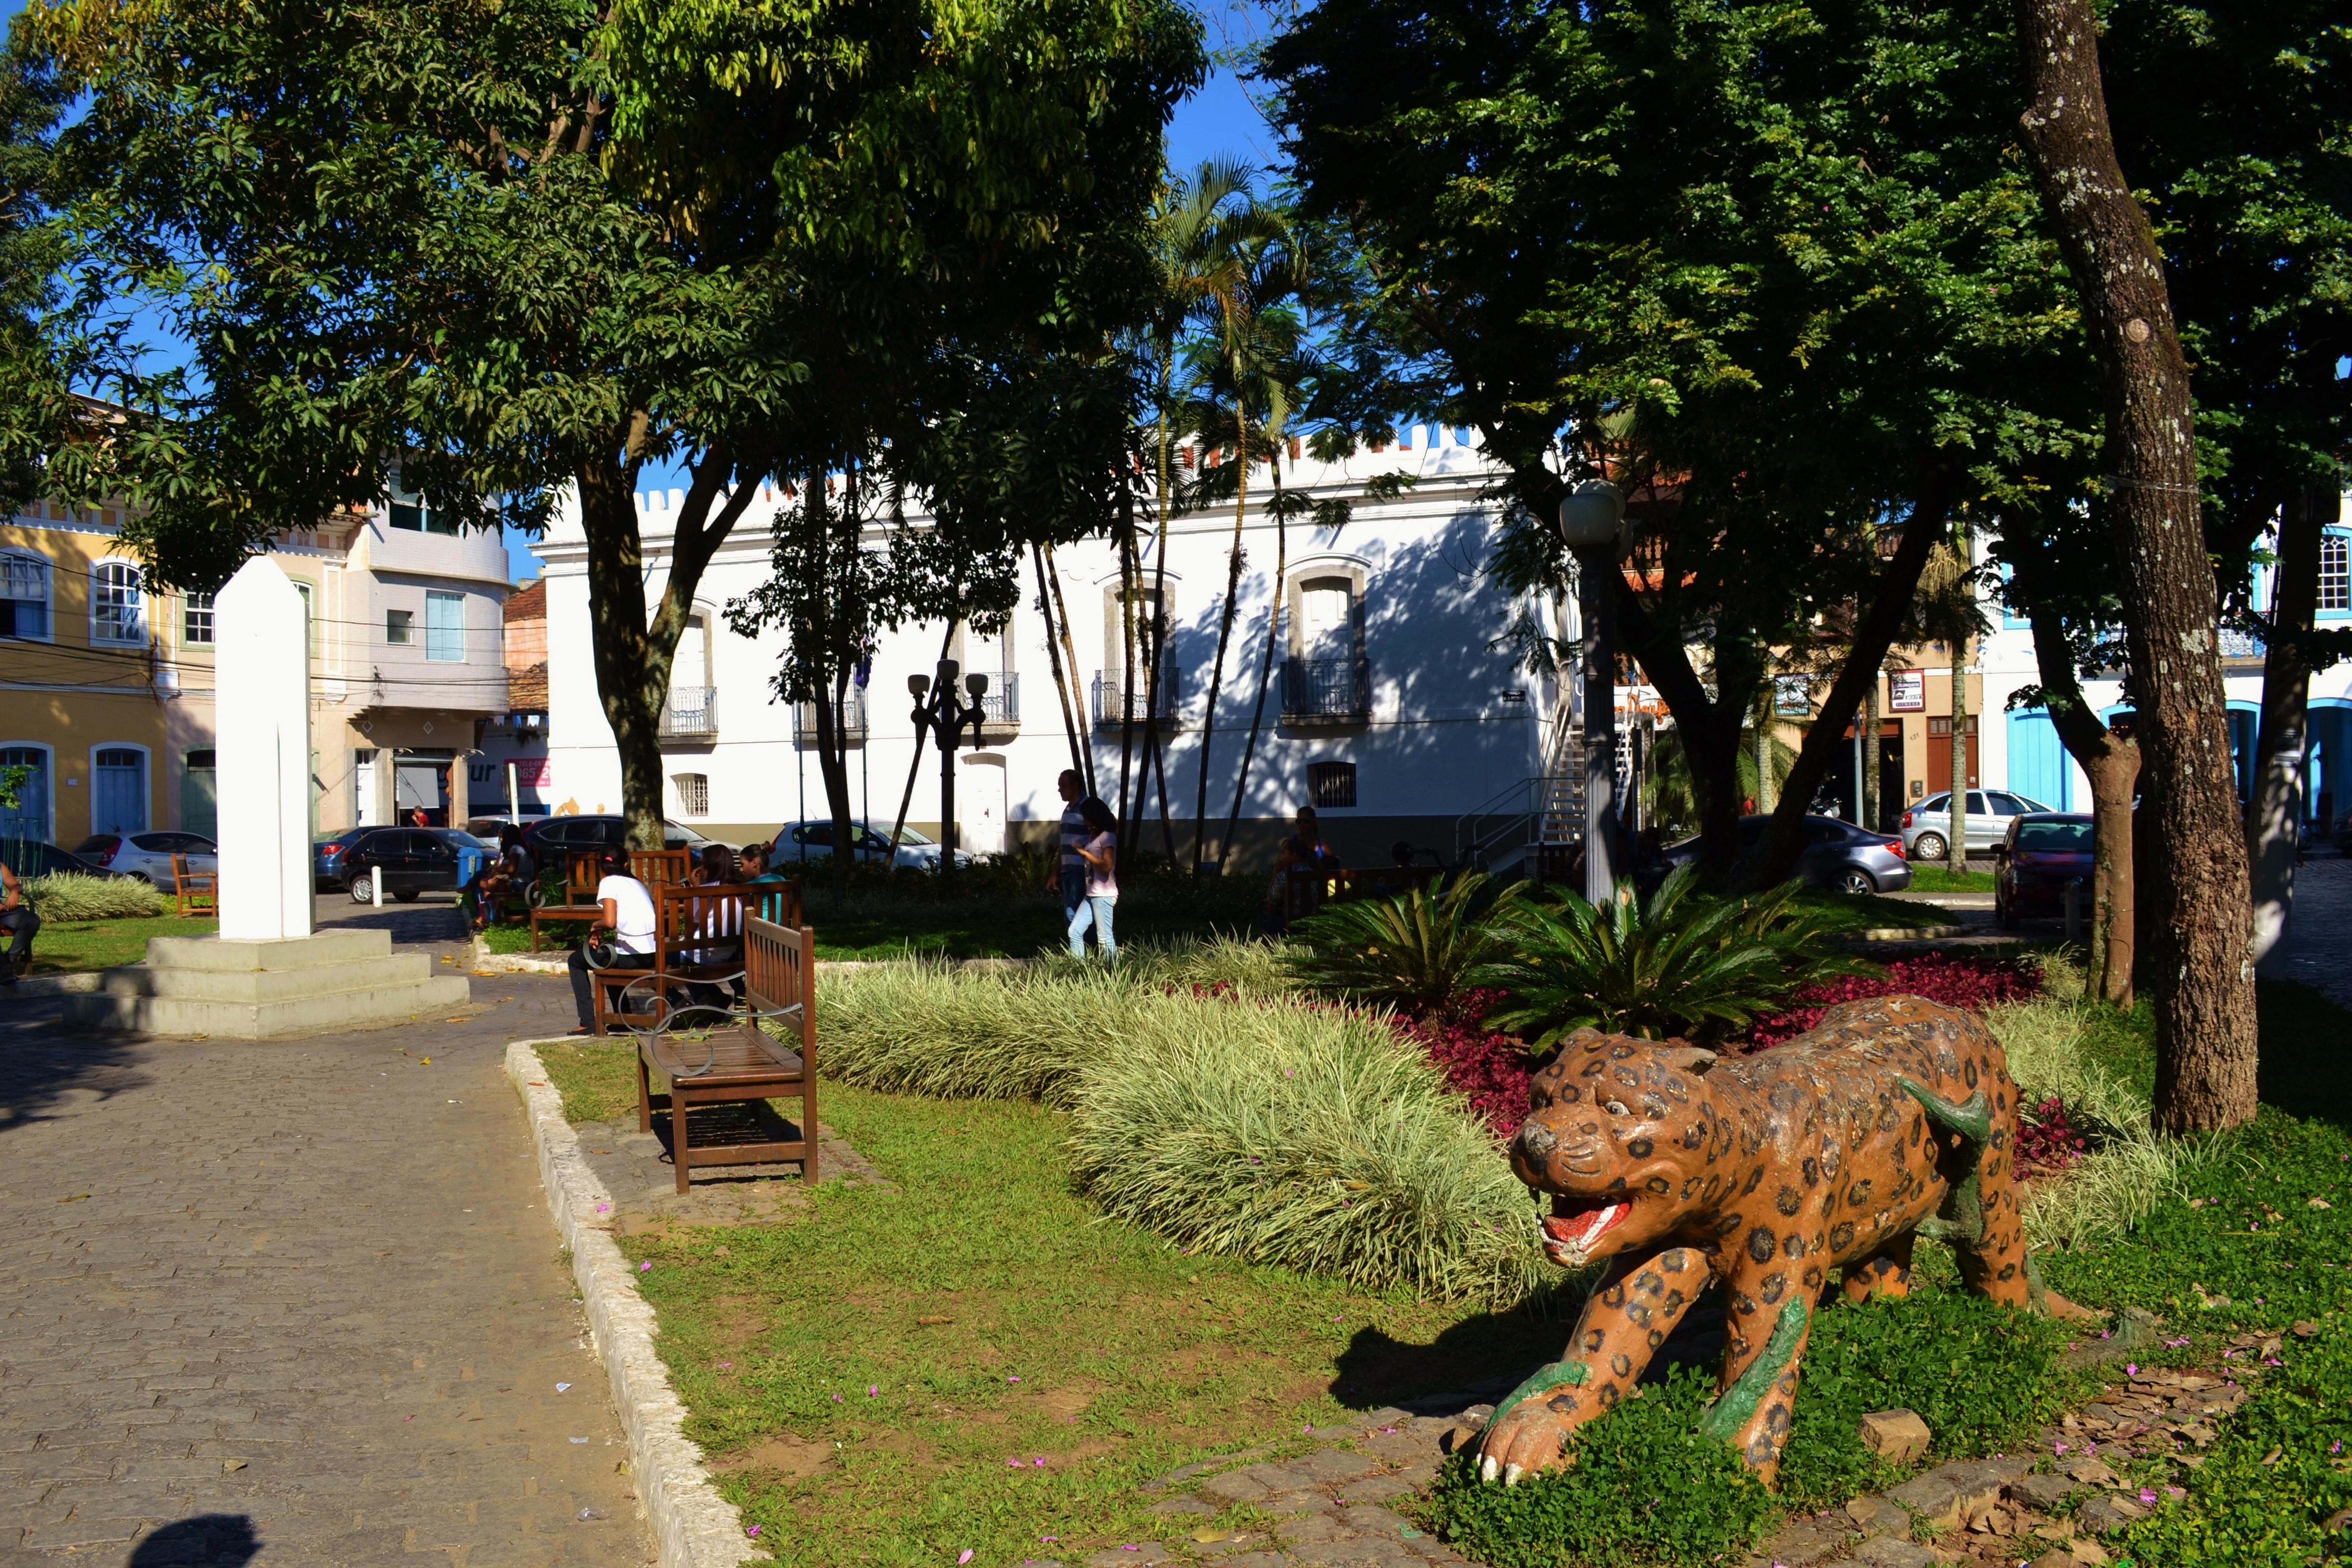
point(941, 715)
point(1591, 522)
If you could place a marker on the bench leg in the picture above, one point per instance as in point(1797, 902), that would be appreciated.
point(644, 1095)
point(677, 1135)
point(808, 1131)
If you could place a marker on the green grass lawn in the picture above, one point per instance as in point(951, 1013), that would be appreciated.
point(1935, 877)
point(1868, 912)
point(1016, 923)
point(996, 1318)
point(64, 947)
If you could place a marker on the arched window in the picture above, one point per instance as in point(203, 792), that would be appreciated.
point(2335, 573)
point(118, 606)
point(24, 595)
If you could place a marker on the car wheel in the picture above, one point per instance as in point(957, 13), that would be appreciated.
point(361, 890)
point(407, 895)
point(1855, 879)
point(1930, 846)
point(2004, 914)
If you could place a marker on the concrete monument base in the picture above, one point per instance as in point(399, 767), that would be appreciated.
point(269, 989)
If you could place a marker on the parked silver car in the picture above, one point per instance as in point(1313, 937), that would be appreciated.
point(1990, 811)
point(149, 855)
point(1837, 855)
point(797, 842)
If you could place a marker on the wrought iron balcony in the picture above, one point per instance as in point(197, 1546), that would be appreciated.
point(1113, 703)
point(849, 719)
point(690, 713)
point(1001, 701)
point(1326, 690)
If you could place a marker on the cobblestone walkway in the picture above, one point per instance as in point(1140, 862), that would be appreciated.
point(293, 1303)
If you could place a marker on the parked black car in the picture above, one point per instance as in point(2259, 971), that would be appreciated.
point(1837, 855)
point(414, 859)
point(551, 838)
point(2039, 854)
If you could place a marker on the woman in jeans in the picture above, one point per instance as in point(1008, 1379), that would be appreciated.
point(1100, 854)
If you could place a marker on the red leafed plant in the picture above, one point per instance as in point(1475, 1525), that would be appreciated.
point(1955, 982)
point(2049, 1143)
point(1490, 1068)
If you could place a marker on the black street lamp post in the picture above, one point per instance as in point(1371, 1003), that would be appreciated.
point(1591, 520)
point(941, 715)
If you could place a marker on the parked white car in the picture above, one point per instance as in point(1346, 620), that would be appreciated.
point(149, 855)
point(813, 841)
point(1990, 811)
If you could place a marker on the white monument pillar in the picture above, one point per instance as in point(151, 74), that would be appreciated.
point(261, 660)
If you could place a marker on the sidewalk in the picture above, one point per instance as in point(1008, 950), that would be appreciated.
point(304, 1295)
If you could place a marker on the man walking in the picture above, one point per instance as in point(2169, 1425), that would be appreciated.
point(18, 921)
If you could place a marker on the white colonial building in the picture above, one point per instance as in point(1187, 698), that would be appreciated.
point(1393, 708)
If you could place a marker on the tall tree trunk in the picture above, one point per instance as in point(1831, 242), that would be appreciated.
point(2206, 1033)
point(1766, 796)
point(1130, 577)
point(1070, 654)
point(1265, 663)
point(632, 650)
point(1054, 657)
point(1155, 640)
point(1956, 848)
point(2274, 834)
point(831, 744)
point(1712, 727)
point(2111, 762)
point(1899, 586)
point(1873, 814)
point(1224, 634)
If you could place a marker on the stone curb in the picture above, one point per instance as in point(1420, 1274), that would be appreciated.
point(555, 962)
point(1906, 933)
point(38, 985)
point(518, 963)
point(693, 1526)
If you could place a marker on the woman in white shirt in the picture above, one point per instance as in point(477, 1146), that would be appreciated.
point(627, 912)
point(1100, 856)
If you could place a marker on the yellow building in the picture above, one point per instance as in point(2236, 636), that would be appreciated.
point(106, 684)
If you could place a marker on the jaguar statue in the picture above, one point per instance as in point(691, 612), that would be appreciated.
point(1891, 1119)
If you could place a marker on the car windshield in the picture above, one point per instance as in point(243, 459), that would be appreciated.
point(97, 844)
point(2054, 837)
point(909, 835)
point(462, 840)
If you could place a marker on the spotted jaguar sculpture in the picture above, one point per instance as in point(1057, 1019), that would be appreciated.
point(1892, 1118)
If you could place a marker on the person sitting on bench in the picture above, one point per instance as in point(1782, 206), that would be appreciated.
point(627, 912)
point(18, 923)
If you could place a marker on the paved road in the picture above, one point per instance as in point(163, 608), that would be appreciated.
point(293, 1304)
point(2318, 946)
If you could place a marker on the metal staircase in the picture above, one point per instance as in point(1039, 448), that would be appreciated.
point(1534, 824)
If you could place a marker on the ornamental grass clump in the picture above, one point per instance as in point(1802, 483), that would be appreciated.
point(1291, 1133)
point(1679, 963)
point(73, 896)
point(1266, 1126)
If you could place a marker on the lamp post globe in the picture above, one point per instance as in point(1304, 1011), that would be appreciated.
point(1591, 514)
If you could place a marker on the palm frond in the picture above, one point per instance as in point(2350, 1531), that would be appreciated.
point(1413, 951)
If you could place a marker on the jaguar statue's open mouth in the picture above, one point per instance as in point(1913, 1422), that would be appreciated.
point(1574, 1227)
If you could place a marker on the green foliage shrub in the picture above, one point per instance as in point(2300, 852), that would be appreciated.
point(1258, 1124)
point(1985, 1378)
point(1647, 1490)
point(72, 896)
point(2244, 1508)
point(1414, 951)
point(1678, 963)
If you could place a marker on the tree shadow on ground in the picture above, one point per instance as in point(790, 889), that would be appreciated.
point(206, 1540)
point(42, 1063)
point(2304, 1036)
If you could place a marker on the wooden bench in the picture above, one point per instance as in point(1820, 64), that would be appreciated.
point(697, 944)
point(194, 892)
point(584, 870)
point(738, 1060)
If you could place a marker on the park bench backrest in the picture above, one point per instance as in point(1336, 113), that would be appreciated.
point(780, 972)
point(656, 868)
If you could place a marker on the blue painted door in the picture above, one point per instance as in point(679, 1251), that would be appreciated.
point(2038, 763)
point(118, 790)
point(30, 817)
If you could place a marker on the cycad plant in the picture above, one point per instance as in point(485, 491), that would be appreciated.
point(1413, 951)
point(1678, 964)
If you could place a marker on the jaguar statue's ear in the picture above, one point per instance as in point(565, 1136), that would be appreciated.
point(1692, 1059)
